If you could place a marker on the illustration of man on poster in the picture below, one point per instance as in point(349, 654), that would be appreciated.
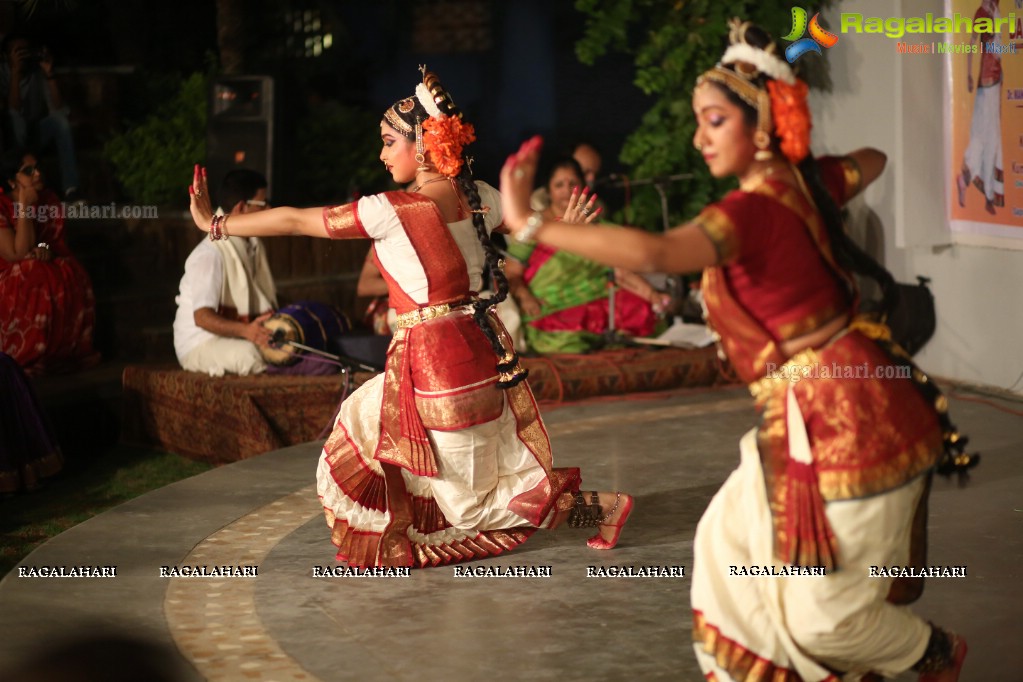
point(982, 162)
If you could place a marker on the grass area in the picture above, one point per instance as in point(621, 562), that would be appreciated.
point(83, 490)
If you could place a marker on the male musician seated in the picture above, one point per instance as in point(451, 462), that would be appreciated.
point(227, 292)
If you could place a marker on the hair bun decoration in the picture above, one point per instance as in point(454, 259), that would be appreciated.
point(748, 60)
point(445, 134)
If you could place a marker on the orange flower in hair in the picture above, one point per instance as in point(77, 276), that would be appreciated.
point(444, 137)
point(791, 118)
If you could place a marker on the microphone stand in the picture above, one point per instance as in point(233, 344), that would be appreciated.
point(659, 182)
point(347, 364)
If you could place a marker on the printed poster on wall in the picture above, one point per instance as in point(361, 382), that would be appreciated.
point(986, 117)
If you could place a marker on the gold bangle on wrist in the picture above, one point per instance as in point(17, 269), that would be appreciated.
point(533, 225)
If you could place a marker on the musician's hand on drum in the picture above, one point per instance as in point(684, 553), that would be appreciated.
point(257, 333)
point(198, 192)
point(580, 207)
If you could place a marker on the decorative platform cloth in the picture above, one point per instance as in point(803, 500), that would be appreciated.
point(224, 419)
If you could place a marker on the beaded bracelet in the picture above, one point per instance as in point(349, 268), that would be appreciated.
point(215, 233)
point(533, 225)
point(223, 226)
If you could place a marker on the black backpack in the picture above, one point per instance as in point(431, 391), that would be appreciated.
point(912, 319)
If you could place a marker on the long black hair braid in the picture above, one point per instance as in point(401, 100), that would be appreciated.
point(852, 259)
point(481, 306)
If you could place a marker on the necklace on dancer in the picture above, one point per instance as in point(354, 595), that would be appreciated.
point(427, 182)
point(756, 180)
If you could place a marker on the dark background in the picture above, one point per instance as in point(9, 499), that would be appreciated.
point(510, 66)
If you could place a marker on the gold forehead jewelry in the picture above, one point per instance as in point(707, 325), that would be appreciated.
point(397, 122)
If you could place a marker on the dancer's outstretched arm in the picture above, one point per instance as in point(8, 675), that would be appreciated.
point(273, 222)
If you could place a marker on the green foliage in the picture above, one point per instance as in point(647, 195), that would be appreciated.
point(673, 42)
point(153, 160)
point(339, 147)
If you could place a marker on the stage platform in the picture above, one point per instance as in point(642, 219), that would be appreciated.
point(672, 453)
point(225, 419)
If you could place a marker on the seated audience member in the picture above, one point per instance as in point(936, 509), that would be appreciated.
point(47, 307)
point(589, 160)
point(28, 448)
point(563, 298)
point(227, 292)
point(35, 111)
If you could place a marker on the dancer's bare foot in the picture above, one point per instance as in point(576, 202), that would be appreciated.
point(950, 674)
point(617, 507)
point(961, 190)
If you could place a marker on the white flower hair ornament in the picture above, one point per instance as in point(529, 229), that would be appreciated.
point(765, 62)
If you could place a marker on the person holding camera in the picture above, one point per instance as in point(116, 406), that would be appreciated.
point(35, 110)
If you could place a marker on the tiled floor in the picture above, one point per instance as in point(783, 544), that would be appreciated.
point(286, 624)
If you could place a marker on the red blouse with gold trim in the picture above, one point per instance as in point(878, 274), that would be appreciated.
point(777, 280)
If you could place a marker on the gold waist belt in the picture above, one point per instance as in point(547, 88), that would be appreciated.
point(803, 363)
point(414, 317)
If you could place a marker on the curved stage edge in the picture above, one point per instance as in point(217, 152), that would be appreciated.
point(286, 624)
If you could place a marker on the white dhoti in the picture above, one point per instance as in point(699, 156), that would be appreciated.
point(802, 626)
point(223, 355)
point(983, 158)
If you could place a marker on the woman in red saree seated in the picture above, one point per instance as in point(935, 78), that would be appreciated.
point(444, 457)
point(47, 308)
point(835, 478)
point(564, 297)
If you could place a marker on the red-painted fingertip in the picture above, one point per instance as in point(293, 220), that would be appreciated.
point(191, 190)
point(204, 173)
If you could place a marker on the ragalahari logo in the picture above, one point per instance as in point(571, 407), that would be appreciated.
point(818, 36)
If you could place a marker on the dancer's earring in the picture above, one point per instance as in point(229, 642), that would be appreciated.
point(762, 141)
point(420, 147)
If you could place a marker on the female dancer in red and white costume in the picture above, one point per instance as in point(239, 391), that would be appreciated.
point(443, 457)
point(835, 478)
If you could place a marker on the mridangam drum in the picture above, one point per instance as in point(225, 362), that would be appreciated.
point(309, 323)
